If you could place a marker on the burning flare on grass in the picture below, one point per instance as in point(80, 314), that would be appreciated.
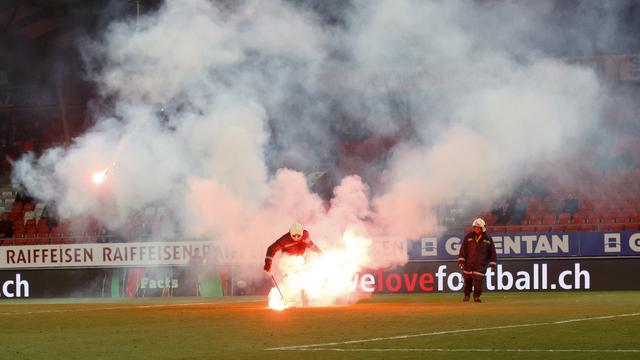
point(321, 280)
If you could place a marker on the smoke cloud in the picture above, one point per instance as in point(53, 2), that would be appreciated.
point(220, 111)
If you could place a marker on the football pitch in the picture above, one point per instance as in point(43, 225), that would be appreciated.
point(535, 325)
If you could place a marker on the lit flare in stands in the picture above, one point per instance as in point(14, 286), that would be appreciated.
point(321, 279)
point(99, 177)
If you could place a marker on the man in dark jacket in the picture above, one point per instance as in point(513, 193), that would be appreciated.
point(295, 242)
point(476, 252)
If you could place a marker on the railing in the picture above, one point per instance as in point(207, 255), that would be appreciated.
point(601, 227)
point(71, 239)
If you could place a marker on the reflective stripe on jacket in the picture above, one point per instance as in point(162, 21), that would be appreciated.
point(477, 252)
point(288, 245)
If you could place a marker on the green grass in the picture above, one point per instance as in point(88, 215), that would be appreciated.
point(242, 328)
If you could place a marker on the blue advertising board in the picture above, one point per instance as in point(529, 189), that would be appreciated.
point(527, 245)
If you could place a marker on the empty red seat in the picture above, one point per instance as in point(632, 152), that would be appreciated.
point(606, 219)
point(586, 205)
point(512, 229)
point(534, 220)
point(6, 242)
point(618, 204)
point(578, 218)
point(17, 207)
point(42, 232)
point(564, 218)
point(54, 231)
point(628, 209)
point(533, 208)
point(549, 219)
point(543, 228)
point(606, 205)
point(621, 220)
point(18, 232)
point(69, 240)
point(490, 220)
point(591, 219)
point(17, 216)
point(42, 221)
point(634, 226)
point(91, 231)
point(587, 227)
point(28, 207)
point(30, 232)
point(18, 226)
point(527, 228)
point(572, 228)
point(615, 213)
point(615, 227)
point(56, 240)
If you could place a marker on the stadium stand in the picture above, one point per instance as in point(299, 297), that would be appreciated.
point(603, 195)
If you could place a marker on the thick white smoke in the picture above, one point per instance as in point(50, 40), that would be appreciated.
point(213, 103)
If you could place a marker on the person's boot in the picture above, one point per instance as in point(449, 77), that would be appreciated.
point(477, 300)
point(465, 298)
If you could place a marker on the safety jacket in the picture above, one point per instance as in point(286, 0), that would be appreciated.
point(476, 253)
point(288, 245)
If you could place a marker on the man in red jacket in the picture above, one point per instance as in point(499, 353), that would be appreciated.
point(295, 242)
point(476, 252)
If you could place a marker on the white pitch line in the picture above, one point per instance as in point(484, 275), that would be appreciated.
point(477, 350)
point(97, 309)
point(446, 332)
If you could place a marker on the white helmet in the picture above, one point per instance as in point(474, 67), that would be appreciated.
point(479, 222)
point(296, 231)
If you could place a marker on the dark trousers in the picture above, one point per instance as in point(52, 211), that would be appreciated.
point(475, 282)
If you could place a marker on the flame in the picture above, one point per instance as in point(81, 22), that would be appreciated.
point(99, 176)
point(321, 280)
point(276, 302)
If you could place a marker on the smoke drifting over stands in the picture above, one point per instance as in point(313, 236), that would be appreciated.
point(221, 111)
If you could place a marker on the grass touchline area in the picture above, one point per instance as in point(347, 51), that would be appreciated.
point(562, 325)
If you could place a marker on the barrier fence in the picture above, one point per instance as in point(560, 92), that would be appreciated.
point(526, 262)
